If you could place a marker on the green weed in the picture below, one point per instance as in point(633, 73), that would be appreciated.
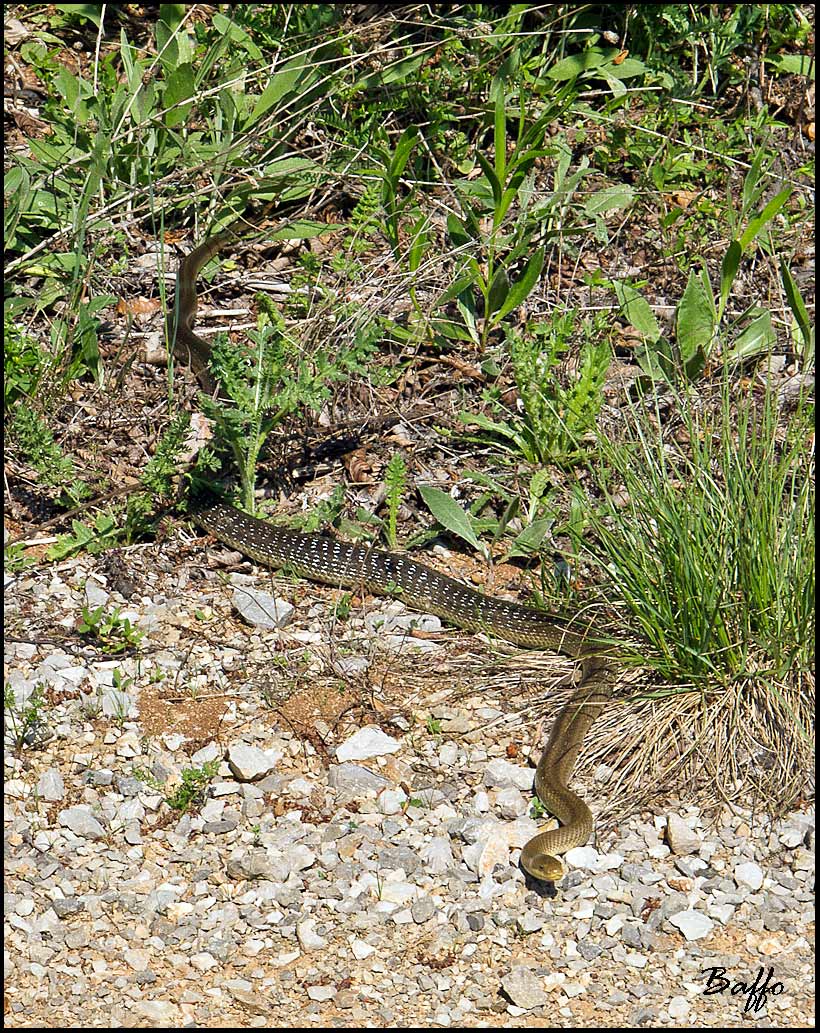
point(713, 554)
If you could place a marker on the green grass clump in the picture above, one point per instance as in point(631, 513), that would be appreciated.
point(713, 554)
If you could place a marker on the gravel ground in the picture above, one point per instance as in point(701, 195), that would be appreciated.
point(346, 865)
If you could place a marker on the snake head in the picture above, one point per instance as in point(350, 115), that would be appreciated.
point(545, 867)
point(540, 865)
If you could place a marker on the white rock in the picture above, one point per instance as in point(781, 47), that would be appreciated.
point(361, 950)
point(583, 857)
point(249, 763)
point(510, 803)
point(81, 822)
point(437, 855)
point(323, 992)
point(162, 1013)
point(369, 741)
point(679, 837)
point(261, 608)
point(50, 785)
point(307, 936)
point(203, 962)
point(524, 988)
point(693, 924)
point(678, 1007)
point(492, 847)
point(138, 960)
point(391, 801)
point(750, 875)
point(722, 912)
point(500, 774)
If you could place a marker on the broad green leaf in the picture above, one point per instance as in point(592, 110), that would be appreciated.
point(793, 64)
point(455, 289)
point(627, 69)
point(499, 289)
point(695, 320)
point(656, 360)
point(520, 290)
point(281, 84)
point(728, 271)
point(757, 339)
point(304, 229)
point(636, 311)
point(179, 91)
point(449, 514)
point(768, 213)
point(610, 199)
point(91, 12)
point(419, 239)
point(485, 423)
point(457, 231)
point(452, 331)
point(571, 67)
point(404, 147)
point(530, 539)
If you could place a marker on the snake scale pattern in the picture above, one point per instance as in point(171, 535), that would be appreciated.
point(326, 559)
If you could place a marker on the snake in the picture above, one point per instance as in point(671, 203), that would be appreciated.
point(327, 559)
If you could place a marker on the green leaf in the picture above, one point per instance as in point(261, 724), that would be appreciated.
point(419, 239)
point(304, 229)
point(458, 232)
point(757, 339)
point(656, 359)
point(728, 271)
point(768, 213)
point(500, 132)
point(695, 319)
point(571, 67)
point(530, 539)
point(793, 64)
point(452, 331)
point(796, 304)
point(520, 290)
point(636, 311)
point(455, 289)
point(499, 289)
point(627, 69)
point(610, 199)
point(91, 12)
point(280, 85)
point(504, 430)
point(178, 95)
point(450, 515)
point(492, 179)
point(401, 155)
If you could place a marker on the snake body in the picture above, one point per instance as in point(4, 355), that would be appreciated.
point(323, 558)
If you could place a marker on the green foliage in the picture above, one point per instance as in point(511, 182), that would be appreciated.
point(23, 722)
point(395, 480)
point(700, 45)
point(192, 789)
point(26, 365)
point(713, 553)
point(31, 433)
point(158, 476)
point(700, 325)
point(113, 633)
point(96, 538)
point(555, 417)
point(276, 378)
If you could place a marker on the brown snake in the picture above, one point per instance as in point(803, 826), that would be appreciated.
point(322, 558)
